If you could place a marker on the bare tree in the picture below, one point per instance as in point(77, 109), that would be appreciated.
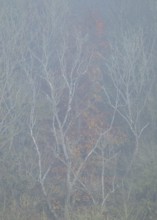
point(130, 77)
point(56, 63)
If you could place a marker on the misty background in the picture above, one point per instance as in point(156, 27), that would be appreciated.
point(78, 110)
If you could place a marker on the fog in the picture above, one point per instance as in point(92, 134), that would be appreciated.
point(78, 113)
